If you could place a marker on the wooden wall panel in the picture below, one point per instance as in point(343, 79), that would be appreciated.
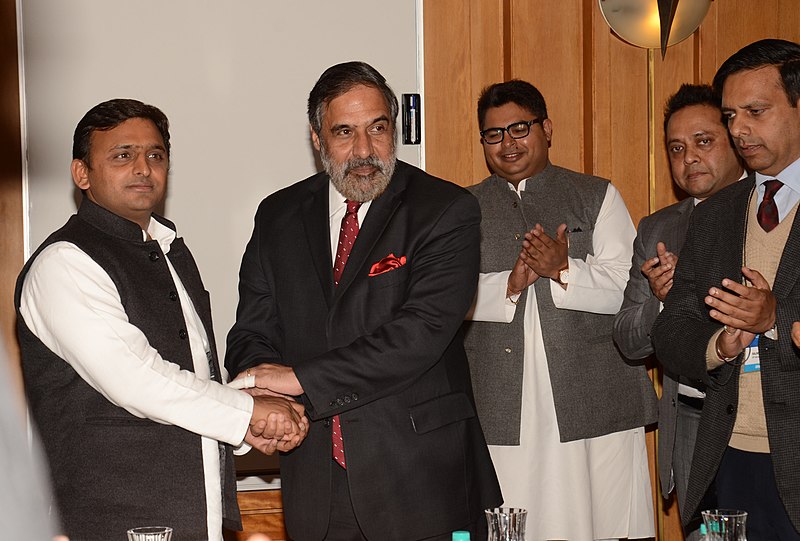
point(547, 51)
point(11, 228)
point(488, 65)
point(669, 74)
point(629, 133)
point(463, 40)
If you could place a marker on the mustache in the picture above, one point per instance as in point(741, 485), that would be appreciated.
point(369, 161)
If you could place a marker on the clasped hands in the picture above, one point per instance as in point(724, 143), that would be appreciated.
point(541, 255)
point(278, 422)
point(744, 310)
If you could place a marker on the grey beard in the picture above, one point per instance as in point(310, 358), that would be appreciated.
point(358, 187)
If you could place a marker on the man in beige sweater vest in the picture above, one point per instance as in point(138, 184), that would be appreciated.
point(727, 320)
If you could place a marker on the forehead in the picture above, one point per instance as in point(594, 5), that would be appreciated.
point(693, 119)
point(359, 104)
point(132, 132)
point(502, 116)
point(744, 86)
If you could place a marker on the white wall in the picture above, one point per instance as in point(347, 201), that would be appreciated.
point(232, 76)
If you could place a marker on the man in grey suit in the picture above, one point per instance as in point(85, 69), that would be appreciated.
point(727, 320)
point(562, 411)
point(702, 161)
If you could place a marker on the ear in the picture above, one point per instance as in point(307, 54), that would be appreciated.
point(547, 126)
point(314, 137)
point(80, 174)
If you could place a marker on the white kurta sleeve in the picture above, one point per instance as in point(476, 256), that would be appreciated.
point(490, 302)
point(71, 304)
point(597, 284)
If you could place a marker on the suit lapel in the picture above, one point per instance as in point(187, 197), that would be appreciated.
point(733, 256)
point(316, 220)
point(789, 266)
point(685, 213)
point(375, 223)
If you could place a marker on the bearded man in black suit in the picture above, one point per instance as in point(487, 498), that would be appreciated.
point(352, 291)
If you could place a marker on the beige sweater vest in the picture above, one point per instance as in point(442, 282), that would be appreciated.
point(762, 253)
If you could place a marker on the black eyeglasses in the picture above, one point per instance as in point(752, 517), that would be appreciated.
point(517, 130)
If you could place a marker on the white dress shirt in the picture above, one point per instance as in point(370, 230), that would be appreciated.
point(71, 304)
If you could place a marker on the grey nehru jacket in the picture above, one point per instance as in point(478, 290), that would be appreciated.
point(595, 391)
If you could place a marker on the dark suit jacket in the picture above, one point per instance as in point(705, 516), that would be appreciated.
point(639, 310)
point(384, 352)
point(713, 251)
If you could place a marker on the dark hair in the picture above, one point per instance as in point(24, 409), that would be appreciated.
point(688, 95)
point(522, 93)
point(784, 55)
point(338, 80)
point(110, 114)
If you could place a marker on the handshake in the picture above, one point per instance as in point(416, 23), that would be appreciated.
point(278, 422)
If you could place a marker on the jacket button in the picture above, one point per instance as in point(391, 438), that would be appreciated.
point(346, 399)
point(333, 403)
point(173, 295)
point(355, 396)
point(515, 204)
point(327, 423)
point(729, 409)
point(182, 334)
point(507, 350)
point(517, 236)
point(340, 402)
point(153, 256)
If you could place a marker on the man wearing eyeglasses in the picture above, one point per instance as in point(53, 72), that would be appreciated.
point(562, 411)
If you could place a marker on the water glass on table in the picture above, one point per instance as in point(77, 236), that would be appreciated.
point(506, 523)
point(725, 524)
point(150, 533)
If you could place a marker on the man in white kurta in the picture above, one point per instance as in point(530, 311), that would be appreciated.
point(588, 479)
point(118, 355)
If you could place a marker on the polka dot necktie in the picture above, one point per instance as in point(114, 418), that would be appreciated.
point(347, 236)
point(768, 210)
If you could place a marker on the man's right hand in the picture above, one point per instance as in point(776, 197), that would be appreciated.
point(277, 423)
point(659, 271)
point(521, 277)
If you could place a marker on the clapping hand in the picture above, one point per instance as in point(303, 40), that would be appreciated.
point(659, 271)
point(744, 310)
point(545, 255)
point(796, 333)
point(521, 277)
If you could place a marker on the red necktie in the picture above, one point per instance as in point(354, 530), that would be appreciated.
point(767, 210)
point(347, 236)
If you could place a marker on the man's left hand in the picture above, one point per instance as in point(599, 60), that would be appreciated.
point(749, 308)
point(273, 380)
point(544, 254)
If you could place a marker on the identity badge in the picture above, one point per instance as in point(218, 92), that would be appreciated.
point(752, 361)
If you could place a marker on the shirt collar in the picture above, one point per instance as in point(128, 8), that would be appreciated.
point(336, 201)
point(789, 176)
point(159, 233)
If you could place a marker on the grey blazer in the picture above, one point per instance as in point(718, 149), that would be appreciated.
point(639, 310)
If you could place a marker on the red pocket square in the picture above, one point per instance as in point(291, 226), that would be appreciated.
point(390, 262)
